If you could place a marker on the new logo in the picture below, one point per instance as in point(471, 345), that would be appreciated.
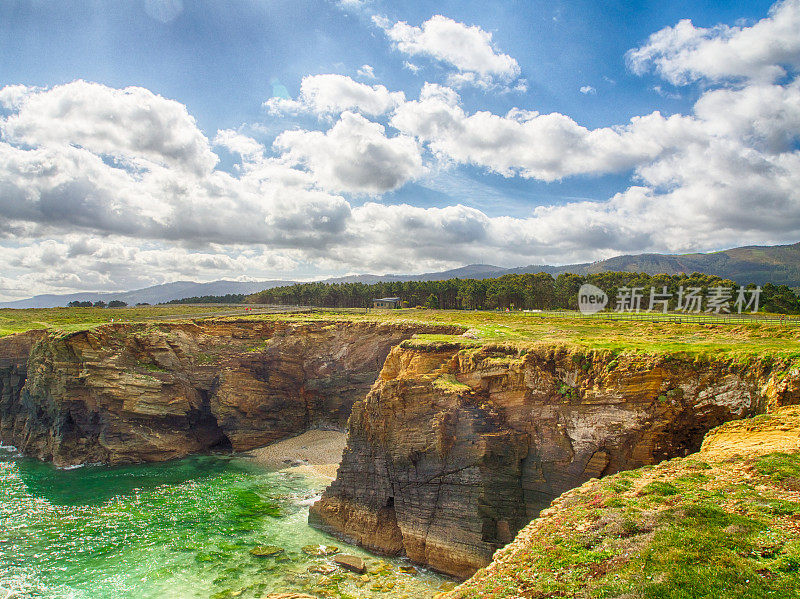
point(591, 299)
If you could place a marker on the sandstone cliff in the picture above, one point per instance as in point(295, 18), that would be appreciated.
point(136, 392)
point(720, 523)
point(14, 352)
point(455, 450)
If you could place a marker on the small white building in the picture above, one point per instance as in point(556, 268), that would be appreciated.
point(387, 303)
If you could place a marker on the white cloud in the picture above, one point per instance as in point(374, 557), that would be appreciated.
point(352, 4)
point(761, 52)
point(552, 146)
point(467, 48)
point(588, 89)
point(355, 155)
point(12, 96)
point(247, 147)
point(332, 94)
point(366, 71)
point(766, 117)
point(123, 123)
point(665, 93)
point(75, 262)
point(411, 67)
point(279, 106)
point(526, 143)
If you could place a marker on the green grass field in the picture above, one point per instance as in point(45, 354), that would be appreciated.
point(519, 329)
point(74, 319)
point(523, 329)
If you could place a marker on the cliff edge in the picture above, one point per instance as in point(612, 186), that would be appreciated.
point(122, 393)
point(455, 449)
point(723, 522)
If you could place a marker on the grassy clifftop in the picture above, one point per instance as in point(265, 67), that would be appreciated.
point(75, 319)
point(740, 341)
point(722, 523)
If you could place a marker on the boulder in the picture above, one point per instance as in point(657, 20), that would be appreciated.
point(351, 562)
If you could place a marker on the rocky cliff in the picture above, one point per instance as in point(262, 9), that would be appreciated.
point(137, 392)
point(454, 450)
point(14, 352)
point(719, 523)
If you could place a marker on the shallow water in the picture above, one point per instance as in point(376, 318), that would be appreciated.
point(180, 529)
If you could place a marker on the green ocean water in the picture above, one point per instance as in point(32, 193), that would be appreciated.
point(180, 529)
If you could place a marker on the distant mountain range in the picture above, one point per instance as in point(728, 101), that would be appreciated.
point(779, 264)
point(152, 295)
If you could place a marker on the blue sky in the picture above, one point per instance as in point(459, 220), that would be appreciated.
point(222, 61)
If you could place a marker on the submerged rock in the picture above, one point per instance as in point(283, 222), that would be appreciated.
point(324, 569)
point(266, 551)
point(351, 562)
point(320, 550)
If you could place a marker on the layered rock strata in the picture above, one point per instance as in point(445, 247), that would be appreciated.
point(455, 450)
point(137, 392)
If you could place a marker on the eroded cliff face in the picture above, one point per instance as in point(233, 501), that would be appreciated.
point(136, 392)
point(14, 352)
point(454, 451)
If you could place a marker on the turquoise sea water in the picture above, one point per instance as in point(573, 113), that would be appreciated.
point(180, 529)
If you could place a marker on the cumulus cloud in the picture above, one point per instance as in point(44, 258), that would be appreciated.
point(354, 155)
point(467, 48)
point(130, 123)
point(366, 71)
point(548, 147)
point(529, 144)
point(333, 94)
point(761, 52)
point(588, 89)
point(61, 179)
point(247, 147)
point(76, 262)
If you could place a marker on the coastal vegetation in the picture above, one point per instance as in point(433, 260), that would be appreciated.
point(77, 318)
point(746, 341)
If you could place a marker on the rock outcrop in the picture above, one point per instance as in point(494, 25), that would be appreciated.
point(455, 450)
point(137, 392)
point(722, 522)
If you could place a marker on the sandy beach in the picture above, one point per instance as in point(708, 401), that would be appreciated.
point(315, 452)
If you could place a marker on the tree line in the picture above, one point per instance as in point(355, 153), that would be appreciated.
point(100, 304)
point(540, 291)
point(230, 298)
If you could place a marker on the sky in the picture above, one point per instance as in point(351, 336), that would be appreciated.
point(149, 141)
